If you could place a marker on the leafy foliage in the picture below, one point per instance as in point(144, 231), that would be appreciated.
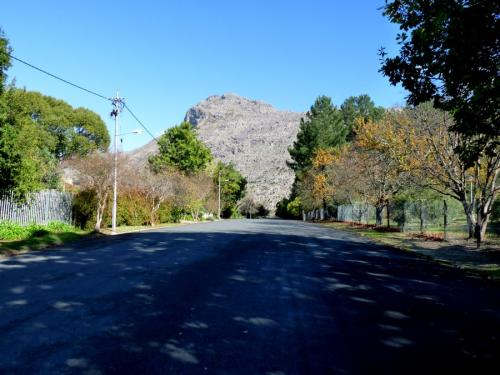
point(39, 131)
point(450, 54)
point(179, 148)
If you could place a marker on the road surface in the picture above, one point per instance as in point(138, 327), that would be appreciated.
point(242, 297)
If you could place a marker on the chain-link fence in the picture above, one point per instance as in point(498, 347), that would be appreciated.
point(420, 216)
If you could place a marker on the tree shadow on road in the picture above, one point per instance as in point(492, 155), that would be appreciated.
point(276, 301)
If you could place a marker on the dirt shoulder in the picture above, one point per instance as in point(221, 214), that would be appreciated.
point(456, 253)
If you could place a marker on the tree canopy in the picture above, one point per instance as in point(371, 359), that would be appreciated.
point(37, 132)
point(450, 54)
point(180, 148)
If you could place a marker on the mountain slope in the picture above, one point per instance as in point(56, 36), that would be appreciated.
point(252, 135)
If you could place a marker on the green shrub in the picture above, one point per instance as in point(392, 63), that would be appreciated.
point(495, 213)
point(132, 210)
point(169, 213)
point(294, 208)
point(84, 209)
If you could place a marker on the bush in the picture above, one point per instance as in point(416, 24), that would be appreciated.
point(495, 214)
point(84, 209)
point(132, 210)
point(169, 213)
point(262, 211)
point(289, 208)
point(294, 208)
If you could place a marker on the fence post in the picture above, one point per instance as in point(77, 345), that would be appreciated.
point(445, 220)
point(388, 215)
point(403, 226)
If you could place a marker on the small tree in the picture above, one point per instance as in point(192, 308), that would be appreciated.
point(248, 207)
point(178, 147)
point(232, 185)
point(95, 173)
point(155, 188)
point(422, 143)
point(197, 194)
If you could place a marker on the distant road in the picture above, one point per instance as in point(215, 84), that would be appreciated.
point(243, 297)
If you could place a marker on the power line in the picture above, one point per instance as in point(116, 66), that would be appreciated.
point(84, 89)
point(140, 123)
point(59, 78)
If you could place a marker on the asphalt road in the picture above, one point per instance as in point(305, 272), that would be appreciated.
point(243, 297)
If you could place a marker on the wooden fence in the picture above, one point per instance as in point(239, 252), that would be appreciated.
point(39, 208)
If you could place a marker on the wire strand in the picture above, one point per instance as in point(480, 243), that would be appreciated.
point(140, 123)
point(84, 89)
point(59, 78)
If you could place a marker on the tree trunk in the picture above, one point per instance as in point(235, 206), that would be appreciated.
point(481, 224)
point(322, 214)
point(378, 215)
point(100, 213)
point(304, 217)
point(97, 226)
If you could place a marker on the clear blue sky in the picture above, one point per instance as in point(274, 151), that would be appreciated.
point(165, 56)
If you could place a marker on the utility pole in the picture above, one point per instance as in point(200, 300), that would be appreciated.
point(118, 104)
point(219, 195)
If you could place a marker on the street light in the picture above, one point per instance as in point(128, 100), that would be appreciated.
point(470, 179)
point(118, 105)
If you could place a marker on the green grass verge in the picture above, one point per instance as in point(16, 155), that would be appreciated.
point(8, 248)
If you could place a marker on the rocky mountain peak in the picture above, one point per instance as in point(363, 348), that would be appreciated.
point(252, 135)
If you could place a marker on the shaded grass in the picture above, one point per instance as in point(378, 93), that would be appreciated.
point(40, 241)
point(45, 237)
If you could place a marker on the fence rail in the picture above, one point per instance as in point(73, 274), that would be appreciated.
point(38, 208)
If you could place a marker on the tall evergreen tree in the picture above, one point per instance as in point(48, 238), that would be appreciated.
point(322, 128)
point(359, 107)
point(4, 60)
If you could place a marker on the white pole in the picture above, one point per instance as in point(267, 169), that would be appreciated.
point(219, 195)
point(115, 169)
